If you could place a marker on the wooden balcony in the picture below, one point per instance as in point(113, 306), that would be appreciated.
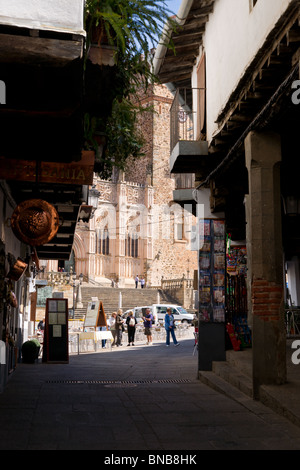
point(186, 147)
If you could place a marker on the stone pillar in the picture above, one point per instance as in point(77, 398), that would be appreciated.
point(265, 258)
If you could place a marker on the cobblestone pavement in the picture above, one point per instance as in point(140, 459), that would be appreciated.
point(145, 398)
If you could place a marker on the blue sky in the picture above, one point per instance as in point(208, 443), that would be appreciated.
point(173, 5)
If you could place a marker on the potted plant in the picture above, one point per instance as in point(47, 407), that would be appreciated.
point(126, 24)
point(30, 351)
point(112, 88)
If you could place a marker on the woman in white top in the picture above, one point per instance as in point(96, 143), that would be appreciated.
point(112, 326)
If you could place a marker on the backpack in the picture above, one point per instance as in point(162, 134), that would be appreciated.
point(132, 322)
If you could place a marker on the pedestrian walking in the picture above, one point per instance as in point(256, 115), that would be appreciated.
point(112, 326)
point(131, 323)
point(119, 326)
point(148, 321)
point(136, 281)
point(41, 325)
point(170, 327)
point(142, 283)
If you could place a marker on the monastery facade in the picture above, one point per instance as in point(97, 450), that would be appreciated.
point(137, 228)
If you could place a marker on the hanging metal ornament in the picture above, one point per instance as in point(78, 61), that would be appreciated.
point(35, 222)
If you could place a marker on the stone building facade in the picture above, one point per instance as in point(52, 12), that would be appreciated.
point(137, 228)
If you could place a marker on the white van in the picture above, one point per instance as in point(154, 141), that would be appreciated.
point(180, 314)
point(159, 311)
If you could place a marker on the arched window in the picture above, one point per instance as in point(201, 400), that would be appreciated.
point(102, 242)
point(131, 246)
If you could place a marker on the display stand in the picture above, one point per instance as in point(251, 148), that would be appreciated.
point(56, 348)
point(212, 282)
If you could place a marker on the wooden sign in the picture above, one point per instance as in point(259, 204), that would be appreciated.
point(56, 347)
point(80, 172)
point(95, 315)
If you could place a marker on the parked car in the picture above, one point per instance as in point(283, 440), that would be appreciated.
point(159, 311)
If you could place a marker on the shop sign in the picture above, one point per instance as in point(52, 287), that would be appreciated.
point(80, 172)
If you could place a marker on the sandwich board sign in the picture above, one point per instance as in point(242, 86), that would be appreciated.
point(95, 316)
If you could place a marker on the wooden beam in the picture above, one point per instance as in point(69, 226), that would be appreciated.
point(37, 50)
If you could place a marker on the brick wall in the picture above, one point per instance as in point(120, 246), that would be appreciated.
point(267, 299)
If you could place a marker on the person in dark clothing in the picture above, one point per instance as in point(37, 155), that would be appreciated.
point(148, 322)
point(131, 323)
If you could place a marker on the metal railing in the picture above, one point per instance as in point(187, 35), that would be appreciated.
point(183, 115)
point(184, 180)
point(292, 321)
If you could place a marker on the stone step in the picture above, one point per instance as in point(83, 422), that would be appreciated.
point(233, 374)
point(217, 383)
point(131, 298)
point(234, 377)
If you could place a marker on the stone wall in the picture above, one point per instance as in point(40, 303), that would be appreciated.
point(171, 257)
point(146, 181)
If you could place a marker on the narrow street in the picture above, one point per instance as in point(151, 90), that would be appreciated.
point(141, 398)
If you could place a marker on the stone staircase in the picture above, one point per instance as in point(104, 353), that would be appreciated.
point(130, 298)
point(232, 377)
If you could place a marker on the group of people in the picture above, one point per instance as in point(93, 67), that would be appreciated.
point(117, 327)
point(137, 280)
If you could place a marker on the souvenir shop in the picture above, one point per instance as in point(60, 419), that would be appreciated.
point(222, 288)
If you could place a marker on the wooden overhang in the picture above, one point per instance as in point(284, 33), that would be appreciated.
point(259, 96)
point(43, 76)
point(261, 102)
point(263, 95)
point(41, 126)
point(176, 67)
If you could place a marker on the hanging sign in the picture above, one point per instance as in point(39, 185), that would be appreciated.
point(80, 172)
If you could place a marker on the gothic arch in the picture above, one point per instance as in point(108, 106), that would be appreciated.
point(81, 261)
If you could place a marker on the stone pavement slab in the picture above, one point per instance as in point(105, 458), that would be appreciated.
point(142, 398)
